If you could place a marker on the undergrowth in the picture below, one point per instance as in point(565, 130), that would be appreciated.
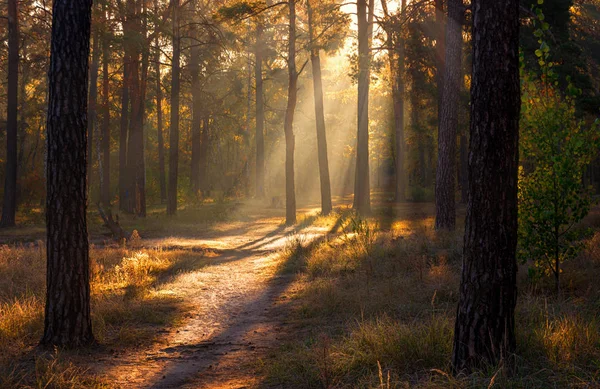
point(375, 308)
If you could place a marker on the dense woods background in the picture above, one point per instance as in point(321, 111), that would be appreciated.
point(132, 69)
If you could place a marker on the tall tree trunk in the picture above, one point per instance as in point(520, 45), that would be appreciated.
point(159, 121)
point(194, 66)
point(174, 139)
point(138, 67)
point(445, 192)
point(396, 56)
point(362, 191)
point(315, 59)
point(464, 166)
point(22, 113)
point(93, 104)
point(260, 115)
point(440, 53)
point(290, 185)
point(67, 313)
point(484, 333)
point(204, 150)
point(123, 136)
point(9, 206)
point(105, 192)
point(140, 172)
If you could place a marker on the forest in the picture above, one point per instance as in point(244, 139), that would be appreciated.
point(299, 194)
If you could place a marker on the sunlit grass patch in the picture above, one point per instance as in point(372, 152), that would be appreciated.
point(374, 307)
point(132, 299)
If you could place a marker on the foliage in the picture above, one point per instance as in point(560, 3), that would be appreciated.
point(556, 148)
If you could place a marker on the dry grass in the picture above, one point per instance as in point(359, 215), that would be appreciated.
point(375, 309)
point(131, 301)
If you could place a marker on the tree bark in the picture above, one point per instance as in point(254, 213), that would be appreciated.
point(396, 49)
point(140, 171)
point(105, 191)
point(9, 206)
point(194, 66)
point(260, 115)
point(326, 205)
point(93, 104)
point(484, 334)
point(123, 135)
point(204, 150)
point(159, 121)
point(464, 166)
point(362, 191)
point(174, 136)
point(138, 68)
point(290, 185)
point(445, 184)
point(67, 313)
point(440, 51)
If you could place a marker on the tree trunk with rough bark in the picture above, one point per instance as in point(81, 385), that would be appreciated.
point(204, 150)
point(326, 205)
point(174, 136)
point(123, 136)
point(194, 66)
point(362, 191)
point(440, 53)
point(9, 206)
point(445, 184)
point(260, 115)
point(105, 190)
point(464, 166)
point(67, 313)
point(484, 334)
point(159, 121)
point(290, 185)
point(93, 104)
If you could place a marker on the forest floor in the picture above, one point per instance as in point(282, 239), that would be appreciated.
point(195, 302)
point(225, 296)
point(236, 316)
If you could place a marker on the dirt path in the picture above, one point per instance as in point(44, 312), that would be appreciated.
point(236, 317)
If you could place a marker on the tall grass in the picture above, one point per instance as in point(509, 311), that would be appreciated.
point(375, 308)
point(131, 299)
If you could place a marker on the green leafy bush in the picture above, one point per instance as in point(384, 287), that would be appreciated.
point(556, 147)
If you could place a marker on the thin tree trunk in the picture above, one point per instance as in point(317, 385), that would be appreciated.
point(194, 66)
point(136, 198)
point(159, 122)
point(174, 136)
point(260, 115)
point(290, 186)
point(440, 53)
point(124, 133)
point(93, 104)
point(396, 48)
point(105, 192)
point(135, 102)
point(67, 313)
point(22, 113)
point(484, 333)
point(204, 150)
point(315, 59)
point(362, 195)
point(445, 188)
point(140, 172)
point(9, 206)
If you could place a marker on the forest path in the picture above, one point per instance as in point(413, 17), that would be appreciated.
point(236, 316)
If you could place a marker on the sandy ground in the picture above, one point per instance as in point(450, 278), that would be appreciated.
point(237, 319)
